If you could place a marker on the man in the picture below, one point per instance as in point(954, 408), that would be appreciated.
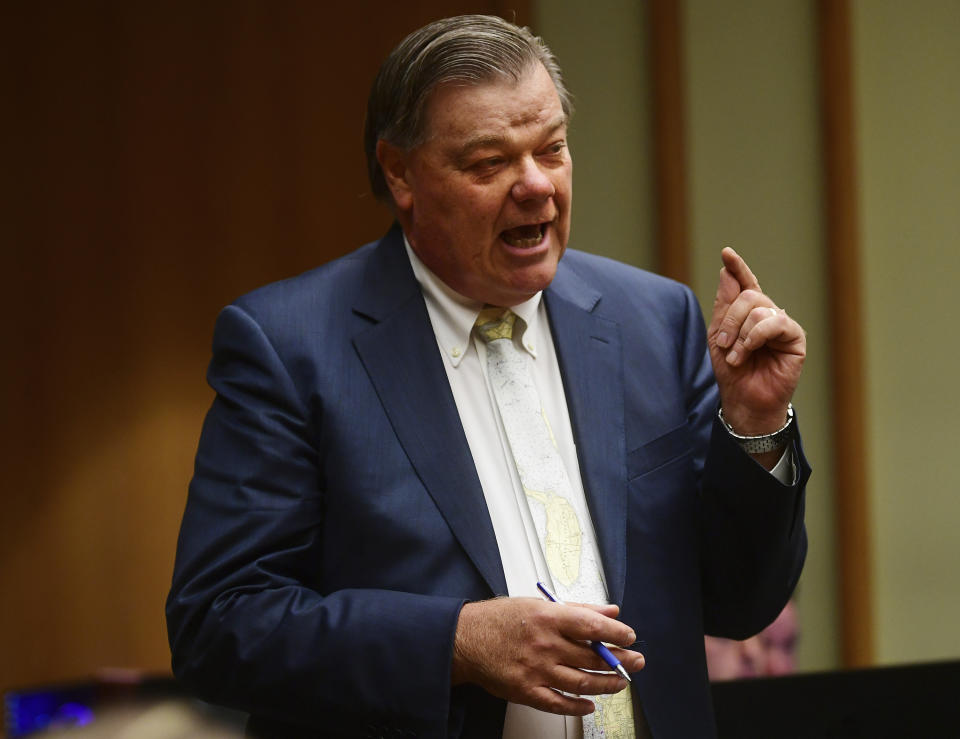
point(390, 449)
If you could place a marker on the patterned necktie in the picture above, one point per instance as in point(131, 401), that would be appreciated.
point(568, 547)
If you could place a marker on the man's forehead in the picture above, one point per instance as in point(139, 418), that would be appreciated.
point(477, 137)
point(482, 111)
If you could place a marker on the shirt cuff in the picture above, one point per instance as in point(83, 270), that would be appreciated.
point(785, 470)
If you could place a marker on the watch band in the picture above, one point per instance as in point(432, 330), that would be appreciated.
point(764, 442)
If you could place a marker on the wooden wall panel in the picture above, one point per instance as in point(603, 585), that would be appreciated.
point(846, 341)
point(160, 159)
point(668, 111)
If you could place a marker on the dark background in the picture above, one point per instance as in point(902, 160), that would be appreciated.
point(159, 159)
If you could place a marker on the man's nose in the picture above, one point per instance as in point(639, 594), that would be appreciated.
point(532, 182)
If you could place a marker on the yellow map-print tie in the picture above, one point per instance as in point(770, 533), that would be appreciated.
point(569, 549)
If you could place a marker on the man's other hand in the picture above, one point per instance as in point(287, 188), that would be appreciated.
point(527, 651)
point(757, 351)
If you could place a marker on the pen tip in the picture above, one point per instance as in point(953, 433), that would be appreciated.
point(623, 673)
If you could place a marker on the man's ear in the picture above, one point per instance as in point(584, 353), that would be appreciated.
point(393, 162)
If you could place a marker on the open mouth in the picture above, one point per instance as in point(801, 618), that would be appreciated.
point(525, 237)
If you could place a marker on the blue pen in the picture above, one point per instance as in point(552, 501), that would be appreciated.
point(599, 647)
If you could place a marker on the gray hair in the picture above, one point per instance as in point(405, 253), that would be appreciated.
point(466, 49)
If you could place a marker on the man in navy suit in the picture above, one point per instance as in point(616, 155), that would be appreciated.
point(359, 554)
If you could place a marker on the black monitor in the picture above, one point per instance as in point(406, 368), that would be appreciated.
point(905, 702)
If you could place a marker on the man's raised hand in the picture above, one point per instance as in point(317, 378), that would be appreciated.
point(757, 351)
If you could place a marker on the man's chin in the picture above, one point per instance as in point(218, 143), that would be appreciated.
point(522, 287)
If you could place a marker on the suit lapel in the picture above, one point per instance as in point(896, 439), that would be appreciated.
point(591, 364)
point(399, 352)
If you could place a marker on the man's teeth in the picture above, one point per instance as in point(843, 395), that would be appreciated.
point(522, 243)
point(524, 236)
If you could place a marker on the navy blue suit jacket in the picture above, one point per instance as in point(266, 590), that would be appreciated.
point(335, 523)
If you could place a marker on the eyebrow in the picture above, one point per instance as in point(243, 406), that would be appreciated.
point(479, 142)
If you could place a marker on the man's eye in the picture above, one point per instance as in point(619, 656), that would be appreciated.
point(488, 163)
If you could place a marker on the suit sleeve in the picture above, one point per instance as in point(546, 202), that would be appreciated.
point(248, 624)
point(752, 535)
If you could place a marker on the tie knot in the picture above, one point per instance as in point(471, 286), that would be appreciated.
point(495, 323)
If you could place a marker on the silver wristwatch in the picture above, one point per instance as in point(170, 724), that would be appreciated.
point(764, 442)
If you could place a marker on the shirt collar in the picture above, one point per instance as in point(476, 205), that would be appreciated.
point(453, 314)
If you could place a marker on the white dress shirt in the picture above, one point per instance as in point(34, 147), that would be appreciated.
point(452, 317)
point(464, 358)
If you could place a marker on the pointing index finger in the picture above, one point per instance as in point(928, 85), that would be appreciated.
point(739, 269)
